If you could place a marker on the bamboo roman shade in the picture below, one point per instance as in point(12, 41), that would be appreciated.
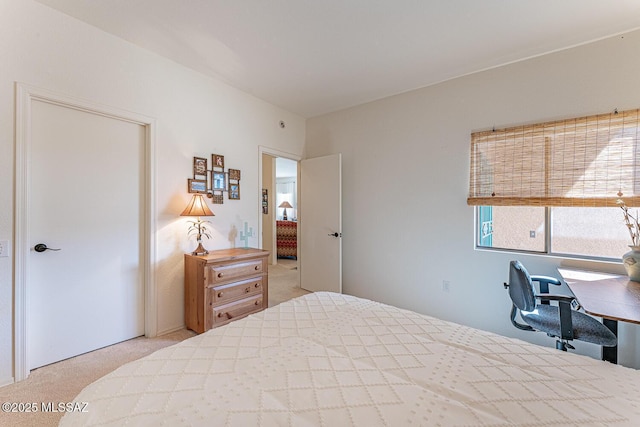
point(587, 161)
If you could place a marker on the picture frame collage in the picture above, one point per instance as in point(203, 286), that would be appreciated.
point(214, 181)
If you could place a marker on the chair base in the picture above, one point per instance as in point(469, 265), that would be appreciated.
point(563, 345)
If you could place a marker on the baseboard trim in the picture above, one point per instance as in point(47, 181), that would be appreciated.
point(168, 331)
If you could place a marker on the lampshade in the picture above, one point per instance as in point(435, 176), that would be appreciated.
point(285, 205)
point(197, 207)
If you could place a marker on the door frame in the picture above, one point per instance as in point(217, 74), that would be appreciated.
point(275, 153)
point(25, 96)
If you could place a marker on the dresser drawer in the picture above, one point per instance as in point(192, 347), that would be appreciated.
point(226, 272)
point(232, 291)
point(228, 312)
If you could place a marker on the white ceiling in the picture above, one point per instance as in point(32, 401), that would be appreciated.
point(316, 56)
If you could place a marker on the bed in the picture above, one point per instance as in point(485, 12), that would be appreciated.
point(328, 359)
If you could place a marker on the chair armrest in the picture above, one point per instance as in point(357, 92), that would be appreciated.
point(543, 283)
point(556, 297)
point(546, 279)
point(564, 311)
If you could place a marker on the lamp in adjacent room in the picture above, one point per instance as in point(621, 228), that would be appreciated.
point(285, 205)
point(197, 207)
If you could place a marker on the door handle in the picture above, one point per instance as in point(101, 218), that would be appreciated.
point(41, 247)
point(336, 234)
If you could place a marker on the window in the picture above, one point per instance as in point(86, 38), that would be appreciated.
point(553, 187)
point(576, 232)
point(589, 232)
point(512, 227)
point(286, 191)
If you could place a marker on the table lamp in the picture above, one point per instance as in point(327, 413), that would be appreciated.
point(197, 207)
point(285, 205)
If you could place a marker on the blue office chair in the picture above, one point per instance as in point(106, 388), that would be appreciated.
point(558, 321)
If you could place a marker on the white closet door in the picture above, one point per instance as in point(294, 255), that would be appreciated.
point(86, 199)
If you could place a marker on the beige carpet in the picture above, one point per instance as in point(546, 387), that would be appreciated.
point(284, 281)
point(62, 381)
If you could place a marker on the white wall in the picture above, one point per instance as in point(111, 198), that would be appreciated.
point(407, 226)
point(196, 116)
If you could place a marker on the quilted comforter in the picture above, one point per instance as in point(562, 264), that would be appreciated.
point(334, 360)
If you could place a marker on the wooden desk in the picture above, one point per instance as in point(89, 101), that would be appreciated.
point(611, 296)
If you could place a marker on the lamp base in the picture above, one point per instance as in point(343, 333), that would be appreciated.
point(200, 250)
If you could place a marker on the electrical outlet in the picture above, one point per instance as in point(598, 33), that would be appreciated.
point(4, 248)
point(532, 234)
point(446, 285)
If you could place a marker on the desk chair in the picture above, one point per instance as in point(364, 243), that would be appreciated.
point(558, 321)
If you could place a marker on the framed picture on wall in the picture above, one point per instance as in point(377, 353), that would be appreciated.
point(218, 181)
point(217, 198)
point(197, 186)
point(217, 161)
point(265, 201)
point(199, 166)
point(234, 191)
point(234, 174)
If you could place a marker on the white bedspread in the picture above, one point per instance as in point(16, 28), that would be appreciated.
point(334, 360)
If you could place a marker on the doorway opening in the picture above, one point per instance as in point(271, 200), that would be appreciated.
point(279, 227)
point(286, 211)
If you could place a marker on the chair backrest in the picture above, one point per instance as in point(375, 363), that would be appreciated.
point(521, 288)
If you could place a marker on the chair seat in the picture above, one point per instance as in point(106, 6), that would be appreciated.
point(585, 328)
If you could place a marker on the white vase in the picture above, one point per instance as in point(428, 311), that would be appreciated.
point(631, 261)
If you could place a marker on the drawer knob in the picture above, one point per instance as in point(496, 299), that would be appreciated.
point(247, 289)
point(257, 267)
point(220, 274)
point(220, 314)
point(257, 303)
point(220, 294)
point(257, 285)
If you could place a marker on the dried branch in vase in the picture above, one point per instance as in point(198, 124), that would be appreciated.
point(632, 223)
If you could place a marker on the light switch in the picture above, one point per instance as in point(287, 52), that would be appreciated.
point(4, 248)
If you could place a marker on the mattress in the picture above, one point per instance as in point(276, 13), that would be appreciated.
point(328, 359)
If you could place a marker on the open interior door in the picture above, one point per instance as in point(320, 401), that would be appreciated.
point(320, 221)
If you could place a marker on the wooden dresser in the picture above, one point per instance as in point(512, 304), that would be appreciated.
point(223, 286)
